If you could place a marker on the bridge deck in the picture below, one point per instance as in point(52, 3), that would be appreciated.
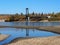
point(55, 29)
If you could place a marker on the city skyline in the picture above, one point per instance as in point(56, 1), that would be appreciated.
point(38, 6)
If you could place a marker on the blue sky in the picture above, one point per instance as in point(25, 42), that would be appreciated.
point(38, 6)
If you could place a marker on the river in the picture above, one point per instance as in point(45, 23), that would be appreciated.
point(19, 33)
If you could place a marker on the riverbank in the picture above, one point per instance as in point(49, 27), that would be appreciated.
point(37, 21)
point(54, 29)
point(54, 40)
point(3, 37)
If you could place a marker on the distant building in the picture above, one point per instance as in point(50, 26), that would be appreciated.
point(27, 14)
point(2, 20)
point(48, 16)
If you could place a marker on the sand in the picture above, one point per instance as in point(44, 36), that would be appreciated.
point(3, 37)
point(55, 40)
point(55, 29)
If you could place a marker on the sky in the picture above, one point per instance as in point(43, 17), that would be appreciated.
point(38, 6)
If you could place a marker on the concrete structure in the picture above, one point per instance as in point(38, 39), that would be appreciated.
point(48, 16)
point(27, 14)
point(2, 20)
point(27, 19)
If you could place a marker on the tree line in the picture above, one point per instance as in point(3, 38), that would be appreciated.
point(35, 16)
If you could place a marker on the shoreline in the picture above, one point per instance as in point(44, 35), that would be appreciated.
point(3, 37)
point(54, 29)
point(34, 21)
point(52, 40)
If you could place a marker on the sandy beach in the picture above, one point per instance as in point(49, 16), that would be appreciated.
point(54, 40)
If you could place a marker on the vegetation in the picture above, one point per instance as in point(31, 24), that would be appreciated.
point(11, 18)
point(33, 17)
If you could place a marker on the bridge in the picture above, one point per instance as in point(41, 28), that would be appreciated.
point(54, 29)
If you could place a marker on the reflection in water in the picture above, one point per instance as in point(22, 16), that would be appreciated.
point(30, 23)
point(27, 31)
point(17, 33)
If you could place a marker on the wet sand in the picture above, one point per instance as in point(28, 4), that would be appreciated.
point(3, 37)
point(55, 29)
point(54, 40)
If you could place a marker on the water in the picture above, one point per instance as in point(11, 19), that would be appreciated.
point(16, 33)
point(30, 23)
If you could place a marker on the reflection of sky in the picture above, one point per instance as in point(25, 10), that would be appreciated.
point(12, 31)
point(22, 32)
point(16, 33)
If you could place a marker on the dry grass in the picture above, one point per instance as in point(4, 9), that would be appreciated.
point(37, 41)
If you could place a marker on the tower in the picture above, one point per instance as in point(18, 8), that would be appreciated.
point(27, 19)
point(27, 14)
point(27, 11)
